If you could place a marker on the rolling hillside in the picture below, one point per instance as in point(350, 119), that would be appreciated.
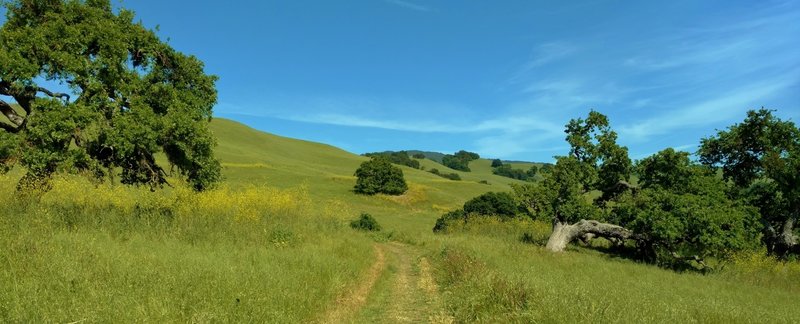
point(273, 245)
point(252, 157)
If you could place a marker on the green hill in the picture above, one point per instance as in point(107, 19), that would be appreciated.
point(252, 157)
point(273, 245)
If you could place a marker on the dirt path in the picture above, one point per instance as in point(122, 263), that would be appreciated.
point(350, 302)
point(398, 288)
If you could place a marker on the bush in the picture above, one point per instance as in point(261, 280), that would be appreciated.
point(441, 223)
point(493, 203)
point(378, 175)
point(500, 204)
point(418, 156)
point(496, 163)
point(508, 172)
point(366, 223)
point(451, 176)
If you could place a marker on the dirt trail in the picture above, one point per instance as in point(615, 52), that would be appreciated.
point(350, 302)
point(399, 288)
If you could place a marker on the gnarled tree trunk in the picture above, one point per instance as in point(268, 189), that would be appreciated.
point(783, 242)
point(564, 233)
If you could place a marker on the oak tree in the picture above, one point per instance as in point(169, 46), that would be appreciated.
point(128, 97)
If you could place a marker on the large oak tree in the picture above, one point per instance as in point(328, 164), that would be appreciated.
point(761, 157)
point(130, 96)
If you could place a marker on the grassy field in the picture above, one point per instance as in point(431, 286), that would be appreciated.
point(273, 245)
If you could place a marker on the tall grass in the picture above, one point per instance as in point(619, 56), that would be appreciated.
point(112, 253)
point(494, 278)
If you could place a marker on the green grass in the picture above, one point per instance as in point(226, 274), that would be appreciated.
point(276, 238)
point(492, 280)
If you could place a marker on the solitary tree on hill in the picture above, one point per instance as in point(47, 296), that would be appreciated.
point(378, 175)
point(130, 96)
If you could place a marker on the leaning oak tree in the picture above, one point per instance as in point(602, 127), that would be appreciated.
point(595, 162)
point(680, 213)
point(130, 96)
point(761, 157)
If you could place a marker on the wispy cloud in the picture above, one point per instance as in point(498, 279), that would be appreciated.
point(724, 107)
point(509, 125)
point(549, 52)
point(409, 5)
point(543, 55)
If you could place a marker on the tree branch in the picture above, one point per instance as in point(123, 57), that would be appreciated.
point(54, 94)
point(563, 234)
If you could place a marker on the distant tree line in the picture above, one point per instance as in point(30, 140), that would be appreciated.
point(505, 170)
point(399, 157)
point(460, 160)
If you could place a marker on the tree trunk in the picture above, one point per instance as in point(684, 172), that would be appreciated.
point(564, 233)
point(784, 242)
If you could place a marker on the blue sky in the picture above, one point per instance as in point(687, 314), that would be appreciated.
point(500, 78)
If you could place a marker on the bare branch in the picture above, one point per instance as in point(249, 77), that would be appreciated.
point(54, 94)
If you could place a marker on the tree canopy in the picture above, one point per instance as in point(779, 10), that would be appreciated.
point(460, 160)
point(680, 210)
point(130, 96)
point(761, 156)
point(378, 175)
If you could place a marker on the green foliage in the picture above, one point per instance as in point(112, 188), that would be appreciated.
point(500, 204)
point(532, 171)
point(493, 203)
point(668, 169)
point(132, 96)
point(365, 222)
point(681, 209)
point(400, 158)
point(418, 156)
point(509, 172)
point(460, 160)
point(761, 156)
point(546, 168)
point(496, 163)
point(698, 220)
point(8, 150)
point(442, 222)
point(378, 175)
point(451, 176)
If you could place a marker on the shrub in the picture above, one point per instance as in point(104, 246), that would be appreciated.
point(508, 172)
point(493, 203)
point(366, 223)
point(500, 204)
point(418, 156)
point(451, 176)
point(378, 175)
point(496, 163)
